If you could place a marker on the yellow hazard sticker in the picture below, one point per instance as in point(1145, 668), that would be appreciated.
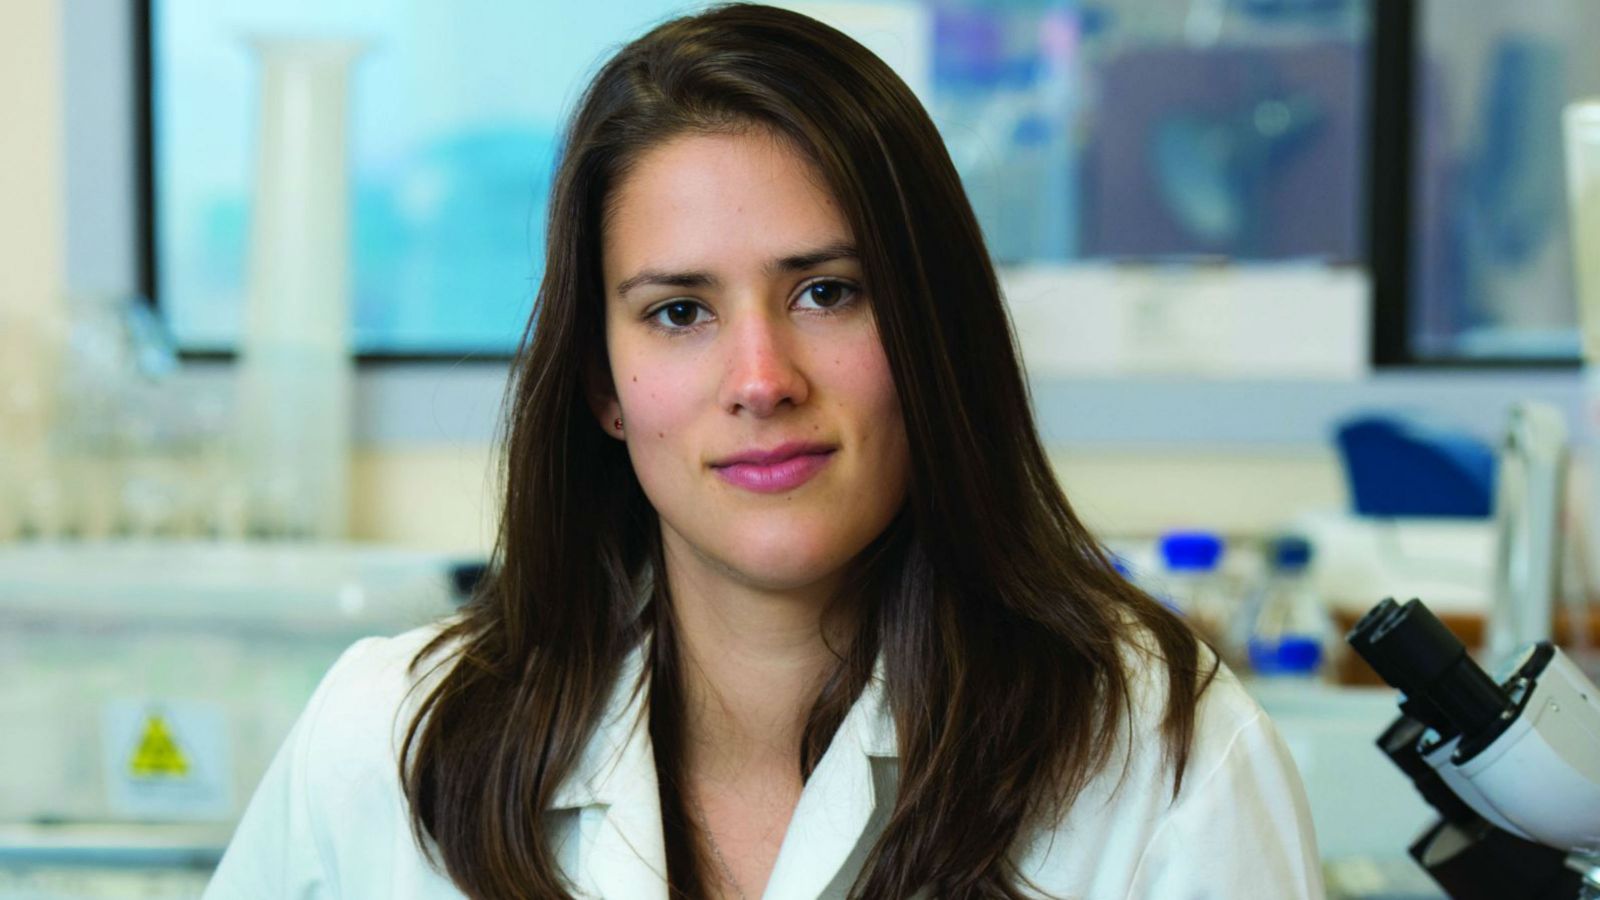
point(167, 759)
point(157, 754)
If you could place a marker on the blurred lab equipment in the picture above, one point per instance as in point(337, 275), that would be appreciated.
point(1289, 632)
point(1422, 495)
point(1192, 583)
point(1528, 517)
point(1511, 764)
point(1581, 122)
point(145, 686)
point(1581, 130)
point(132, 454)
point(108, 444)
point(1419, 488)
point(465, 578)
point(1404, 465)
point(294, 367)
point(31, 342)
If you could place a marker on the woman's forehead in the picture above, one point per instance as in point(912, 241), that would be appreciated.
point(704, 196)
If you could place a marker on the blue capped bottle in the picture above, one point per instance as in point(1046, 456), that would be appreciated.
point(1290, 629)
point(1192, 581)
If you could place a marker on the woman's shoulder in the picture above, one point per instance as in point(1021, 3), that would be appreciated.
point(329, 814)
point(384, 664)
point(1222, 705)
point(1128, 832)
point(1229, 725)
point(363, 705)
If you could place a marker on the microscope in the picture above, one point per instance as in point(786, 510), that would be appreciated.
point(1510, 763)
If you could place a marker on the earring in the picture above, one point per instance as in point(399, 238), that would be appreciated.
point(617, 423)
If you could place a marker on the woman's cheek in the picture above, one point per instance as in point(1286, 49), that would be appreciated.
point(659, 410)
point(864, 371)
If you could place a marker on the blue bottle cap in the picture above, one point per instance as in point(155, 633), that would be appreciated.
point(1292, 654)
point(1291, 552)
point(1190, 551)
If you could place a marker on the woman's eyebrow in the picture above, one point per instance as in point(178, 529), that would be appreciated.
point(797, 262)
point(670, 279)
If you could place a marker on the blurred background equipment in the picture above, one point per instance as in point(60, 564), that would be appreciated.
point(1287, 631)
point(1529, 511)
point(1402, 465)
point(295, 370)
point(145, 686)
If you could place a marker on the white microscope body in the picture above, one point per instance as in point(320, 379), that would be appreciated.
point(1520, 755)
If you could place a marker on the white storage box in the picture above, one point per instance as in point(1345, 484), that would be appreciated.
point(152, 683)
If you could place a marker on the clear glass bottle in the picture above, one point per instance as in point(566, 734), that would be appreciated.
point(1290, 632)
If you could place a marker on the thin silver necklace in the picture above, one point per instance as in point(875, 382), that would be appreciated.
point(727, 872)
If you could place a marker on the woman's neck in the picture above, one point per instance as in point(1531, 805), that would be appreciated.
point(753, 664)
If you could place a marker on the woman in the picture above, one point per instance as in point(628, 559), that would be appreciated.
point(787, 601)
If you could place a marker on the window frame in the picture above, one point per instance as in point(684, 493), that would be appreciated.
point(1391, 192)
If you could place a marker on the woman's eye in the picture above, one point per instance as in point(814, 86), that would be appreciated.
point(678, 314)
point(827, 294)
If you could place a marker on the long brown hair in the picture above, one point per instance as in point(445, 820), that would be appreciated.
point(1000, 621)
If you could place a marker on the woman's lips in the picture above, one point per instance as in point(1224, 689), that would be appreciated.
point(774, 477)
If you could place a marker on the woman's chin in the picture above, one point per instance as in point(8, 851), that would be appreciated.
point(789, 570)
point(774, 554)
point(785, 561)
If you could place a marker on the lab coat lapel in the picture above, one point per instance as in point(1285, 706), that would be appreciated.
point(617, 774)
point(629, 857)
point(627, 860)
point(837, 803)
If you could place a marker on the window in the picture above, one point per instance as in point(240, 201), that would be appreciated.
point(1120, 130)
point(1158, 130)
point(1490, 254)
point(454, 117)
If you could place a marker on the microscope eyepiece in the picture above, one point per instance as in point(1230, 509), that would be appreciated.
point(1412, 650)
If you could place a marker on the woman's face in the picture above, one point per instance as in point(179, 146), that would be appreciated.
point(758, 407)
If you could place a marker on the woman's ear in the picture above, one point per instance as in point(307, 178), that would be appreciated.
point(601, 393)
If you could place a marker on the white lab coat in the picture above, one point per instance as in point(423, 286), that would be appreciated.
point(329, 818)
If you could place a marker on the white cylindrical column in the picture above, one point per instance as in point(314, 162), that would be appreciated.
point(295, 369)
point(1581, 124)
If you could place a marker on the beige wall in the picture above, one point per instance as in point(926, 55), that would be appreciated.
point(428, 497)
point(1140, 493)
point(32, 239)
point(31, 195)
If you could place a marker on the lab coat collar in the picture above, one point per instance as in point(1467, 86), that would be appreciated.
point(837, 803)
point(611, 762)
point(617, 772)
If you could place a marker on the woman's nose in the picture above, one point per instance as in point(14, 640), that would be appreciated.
point(763, 371)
